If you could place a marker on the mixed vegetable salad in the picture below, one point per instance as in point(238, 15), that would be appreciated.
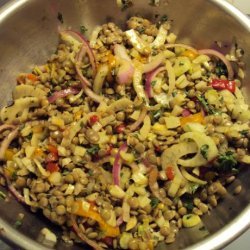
point(124, 139)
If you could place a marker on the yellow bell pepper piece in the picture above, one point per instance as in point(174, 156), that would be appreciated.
point(38, 153)
point(190, 54)
point(8, 156)
point(199, 118)
point(9, 171)
point(108, 230)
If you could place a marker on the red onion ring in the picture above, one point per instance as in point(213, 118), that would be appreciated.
point(117, 164)
point(6, 142)
point(125, 73)
point(140, 119)
point(62, 93)
point(149, 79)
point(84, 238)
point(81, 39)
point(211, 52)
point(185, 113)
point(153, 185)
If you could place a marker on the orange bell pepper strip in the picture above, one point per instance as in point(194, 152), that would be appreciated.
point(198, 117)
point(108, 230)
point(190, 54)
point(32, 77)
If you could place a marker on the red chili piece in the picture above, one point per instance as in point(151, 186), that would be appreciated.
point(93, 119)
point(52, 167)
point(220, 84)
point(120, 128)
point(170, 173)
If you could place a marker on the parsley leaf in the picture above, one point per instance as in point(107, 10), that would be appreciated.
point(2, 195)
point(204, 151)
point(154, 202)
point(83, 29)
point(93, 150)
point(244, 132)
point(156, 115)
point(208, 108)
point(193, 187)
point(140, 30)
point(227, 162)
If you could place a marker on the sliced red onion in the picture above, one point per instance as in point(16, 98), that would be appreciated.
point(140, 120)
point(6, 126)
point(79, 57)
point(82, 236)
point(121, 52)
point(185, 113)
point(211, 52)
point(6, 142)
point(13, 190)
point(119, 221)
point(174, 45)
point(62, 93)
point(117, 164)
point(153, 185)
point(126, 69)
point(16, 194)
point(125, 73)
point(156, 62)
point(149, 79)
point(81, 39)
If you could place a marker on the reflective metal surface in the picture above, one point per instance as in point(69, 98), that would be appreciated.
point(28, 31)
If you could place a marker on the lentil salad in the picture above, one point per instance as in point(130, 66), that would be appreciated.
point(128, 137)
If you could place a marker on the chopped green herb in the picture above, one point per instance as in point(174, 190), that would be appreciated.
point(244, 132)
point(29, 137)
point(208, 108)
point(60, 17)
point(140, 30)
point(91, 172)
point(156, 115)
point(221, 69)
point(154, 202)
point(227, 162)
point(153, 83)
point(204, 151)
point(163, 19)
point(83, 29)
point(18, 223)
point(188, 217)
point(187, 200)
point(193, 187)
point(93, 150)
point(174, 93)
point(181, 63)
point(2, 195)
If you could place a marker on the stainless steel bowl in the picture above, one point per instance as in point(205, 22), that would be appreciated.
point(28, 31)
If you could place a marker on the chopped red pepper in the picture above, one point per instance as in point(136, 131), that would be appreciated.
point(52, 167)
point(170, 173)
point(120, 128)
point(220, 84)
point(93, 119)
point(53, 154)
point(109, 150)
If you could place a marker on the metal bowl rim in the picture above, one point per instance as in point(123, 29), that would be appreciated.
point(216, 241)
